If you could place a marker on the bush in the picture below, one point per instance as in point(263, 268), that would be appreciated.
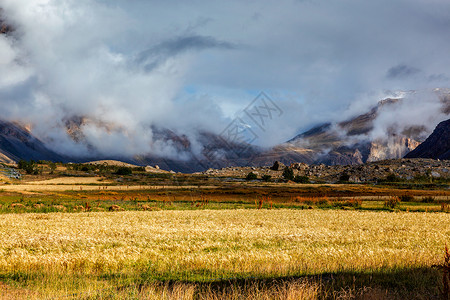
point(288, 173)
point(52, 167)
point(428, 199)
point(322, 201)
point(392, 202)
point(344, 177)
point(407, 198)
point(251, 176)
point(354, 202)
point(276, 166)
point(266, 178)
point(301, 179)
point(124, 171)
point(28, 166)
point(392, 178)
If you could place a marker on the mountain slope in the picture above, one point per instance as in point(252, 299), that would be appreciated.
point(436, 146)
point(349, 143)
point(16, 143)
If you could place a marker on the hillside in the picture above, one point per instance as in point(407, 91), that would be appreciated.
point(16, 143)
point(348, 142)
point(436, 146)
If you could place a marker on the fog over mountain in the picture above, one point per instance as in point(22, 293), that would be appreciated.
point(129, 69)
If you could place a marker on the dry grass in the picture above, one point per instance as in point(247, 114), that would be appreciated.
point(70, 180)
point(212, 245)
point(33, 187)
point(321, 240)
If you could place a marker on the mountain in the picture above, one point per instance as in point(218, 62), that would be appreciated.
point(16, 142)
point(344, 143)
point(436, 146)
point(349, 142)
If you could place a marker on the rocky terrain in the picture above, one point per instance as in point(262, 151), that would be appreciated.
point(436, 146)
point(390, 170)
point(9, 173)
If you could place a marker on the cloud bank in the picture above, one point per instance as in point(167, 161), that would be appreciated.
point(194, 65)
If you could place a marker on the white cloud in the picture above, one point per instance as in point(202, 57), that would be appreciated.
point(130, 62)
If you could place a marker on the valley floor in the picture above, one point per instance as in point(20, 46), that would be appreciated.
point(82, 235)
point(98, 254)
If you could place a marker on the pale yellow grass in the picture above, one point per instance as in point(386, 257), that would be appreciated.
point(71, 181)
point(99, 185)
point(276, 242)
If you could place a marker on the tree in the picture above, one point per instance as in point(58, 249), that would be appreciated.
point(28, 166)
point(288, 173)
point(392, 178)
point(124, 171)
point(344, 177)
point(251, 176)
point(52, 166)
point(276, 166)
point(301, 179)
point(266, 178)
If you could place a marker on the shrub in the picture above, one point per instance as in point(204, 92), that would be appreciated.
point(354, 202)
point(319, 201)
point(322, 201)
point(301, 179)
point(124, 171)
point(392, 178)
point(288, 173)
point(392, 202)
point(407, 198)
point(344, 177)
point(276, 166)
point(266, 178)
point(251, 176)
point(52, 167)
point(28, 166)
point(428, 199)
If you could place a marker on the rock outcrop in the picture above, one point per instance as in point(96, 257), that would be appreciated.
point(393, 147)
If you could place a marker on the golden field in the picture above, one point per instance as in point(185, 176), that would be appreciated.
point(87, 254)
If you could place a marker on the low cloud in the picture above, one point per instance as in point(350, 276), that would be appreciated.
point(130, 66)
point(156, 55)
point(401, 71)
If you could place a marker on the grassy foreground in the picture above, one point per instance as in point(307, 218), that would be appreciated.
point(212, 253)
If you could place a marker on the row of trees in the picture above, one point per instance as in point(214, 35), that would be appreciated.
point(32, 167)
point(288, 174)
